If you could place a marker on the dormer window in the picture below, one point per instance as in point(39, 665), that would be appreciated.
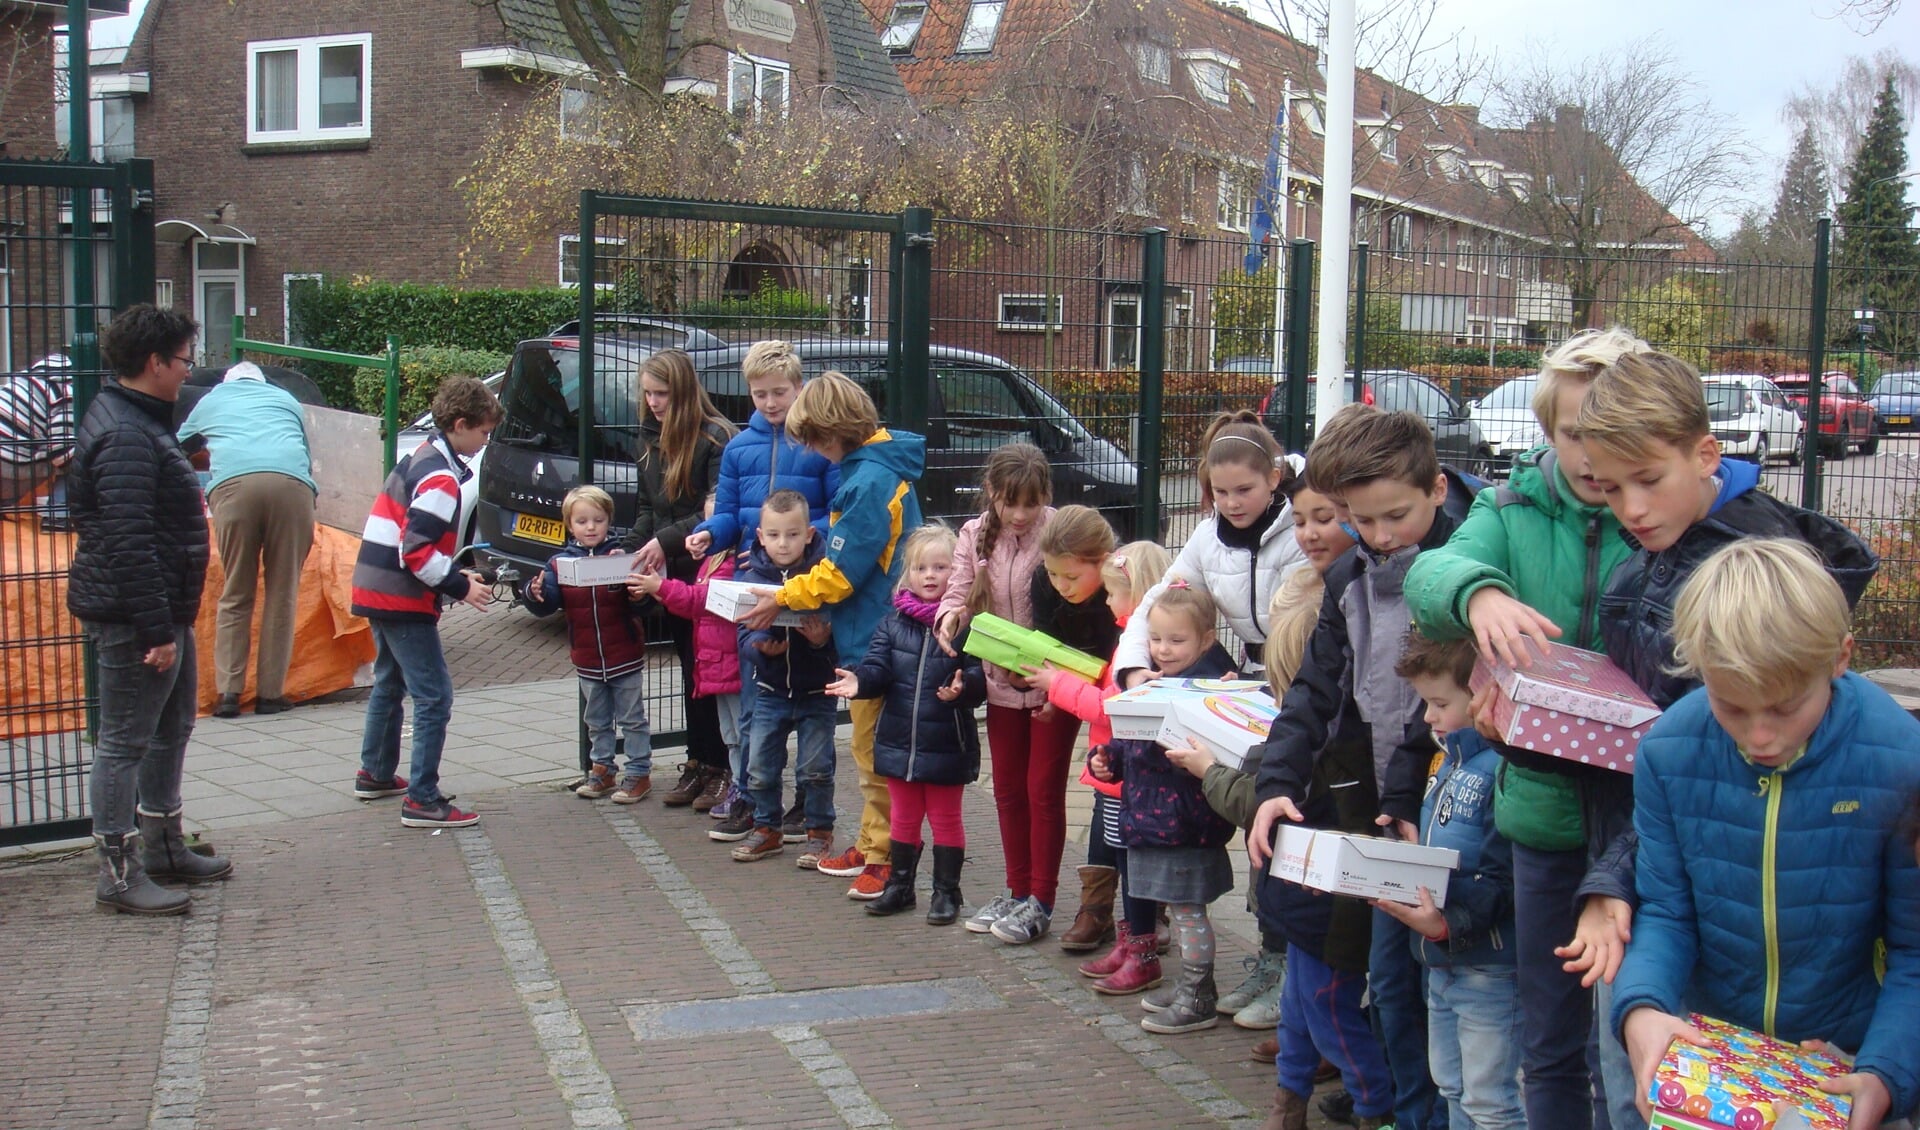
point(904, 28)
point(1154, 62)
point(983, 26)
point(1211, 72)
point(1385, 139)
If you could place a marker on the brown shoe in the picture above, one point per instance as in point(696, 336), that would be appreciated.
point(1266, 1051)
point(759, 844)
point(716, 788)
point(632, 790)
point(1093, 925)
point(819, 847)
point(1287, 1112)
point(599, 783)
point(693, 782)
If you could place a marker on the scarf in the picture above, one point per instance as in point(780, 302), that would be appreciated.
point(1248, 539)
point(914, 607)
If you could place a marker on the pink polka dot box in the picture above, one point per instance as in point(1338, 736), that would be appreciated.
point(1571, 704)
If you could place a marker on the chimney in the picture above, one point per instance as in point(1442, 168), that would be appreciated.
point(1570, 118)
point(1468, 113)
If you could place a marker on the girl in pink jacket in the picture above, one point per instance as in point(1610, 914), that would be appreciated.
point(716, 649)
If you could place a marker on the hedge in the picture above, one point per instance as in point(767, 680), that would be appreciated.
point(771, 308)
point(1107, 402)
point(421, 371)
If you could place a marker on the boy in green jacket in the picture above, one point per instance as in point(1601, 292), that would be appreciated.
point(1530, 561)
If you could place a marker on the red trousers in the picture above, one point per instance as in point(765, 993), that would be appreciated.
point(1031, 754)
point(939, 805)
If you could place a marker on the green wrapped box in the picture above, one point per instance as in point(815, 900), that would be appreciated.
point(1004, 643)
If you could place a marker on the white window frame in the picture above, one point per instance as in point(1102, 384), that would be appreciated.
point(762, 67)
point(861, 304)
point(1115, 301)
point(1463, 254)
point(286, 299)
point(1386, 141)
point(1135, 198)
point(570, 258)
point(1154, 61)
point(203, 277)
point(977, 35)
point(1400, 235)
point(1502, 257)
point(585, 122)
point(1207, 61)
point(903, 26)
point(307, 84)
point(1234, 197)
point(162, 294)
point(1032, 301)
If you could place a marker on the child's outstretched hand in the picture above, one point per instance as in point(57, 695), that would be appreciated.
point(537, 586)
point(479, 592)
point(1599, 940)
point(643, 584)
point(1425, 919)
point(951, 690)
point(1647, 1033)
point(1196, 760)
point(947, 627)
point(1871, 1102)
point(1041, 677)
point(1481, 707)
point(760, 617)
point(815, 630)
point(1141, 675)
point(846, 686)
point(1405, 831)
point(697, 544)
point(1099, 764)
point(1500, 623)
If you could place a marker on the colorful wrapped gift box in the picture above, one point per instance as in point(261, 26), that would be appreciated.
point(1571, 704)
point(1229, 725)
point(731, 600)
point(1737, 1081)
point(1004, 643)
point(1137, 714)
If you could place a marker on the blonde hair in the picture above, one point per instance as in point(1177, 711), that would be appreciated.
point(832, 407)
point(1764, 613)
point(1578, 360)
point(1291, 615)
point(1641, 400)
point(1016, 473)
point(1182, 599)
point(586, 496)
point(919, 543)
point(771, 359)
point(1079, 532)
point(1134, 568)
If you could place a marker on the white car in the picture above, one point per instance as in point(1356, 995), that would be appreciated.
point(415, 434)
point(1505, 417)
point(1752, 418)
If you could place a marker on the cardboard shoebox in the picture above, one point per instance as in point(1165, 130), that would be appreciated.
point(1137, 714)
point(1005, 644)
point(593, 572)
point(1367, 867)
point(1570, 704)
point(1229, 725)
point(1745, 1081)
point(731, 600)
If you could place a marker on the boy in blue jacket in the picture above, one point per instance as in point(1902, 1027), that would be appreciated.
point(1774, 861)
point(1473, 1004)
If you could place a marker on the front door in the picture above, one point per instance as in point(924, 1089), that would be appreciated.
point(219, 292)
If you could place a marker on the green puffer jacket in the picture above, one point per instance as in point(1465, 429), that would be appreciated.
point(1534, 540)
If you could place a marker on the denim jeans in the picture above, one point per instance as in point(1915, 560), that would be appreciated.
point(743, 747)
point(1556, 1014)
point(1616, 1070)
point(732, 727)
point(620, 701)
point(1394, 986)
point(1473, 1044)
point(407, 661)
point(774, 718)
point(146, 717)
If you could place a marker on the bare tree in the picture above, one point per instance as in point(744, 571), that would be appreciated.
point(1866, 16)
point(1837, 113)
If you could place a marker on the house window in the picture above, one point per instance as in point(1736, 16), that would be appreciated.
point(904, 28)
point(607, 260)
point(1133, 191)
point(1385, 139)
point(291, 287)
point(983, 24)
point(856, 307)
point(757, 86)
point(1189, 192)
point(1209, 71)
point(1123, 331)
point(1463, 254)
point(1154, 62)
point(1234, 211)
point(1027, 312)
point(309, 89)
point(1400, 234)
point(583, 116)
point(162, 293)
point(1502, 257)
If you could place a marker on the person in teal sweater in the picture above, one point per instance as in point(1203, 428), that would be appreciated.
point(1530, 561)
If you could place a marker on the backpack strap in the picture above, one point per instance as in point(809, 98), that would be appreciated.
point(1505, 496)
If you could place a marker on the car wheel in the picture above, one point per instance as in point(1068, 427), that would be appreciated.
point(1796, 454)
point(1762, 451)
point(1837, 450)
point(1870, 445)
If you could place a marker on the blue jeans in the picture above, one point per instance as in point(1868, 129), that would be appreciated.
point(743, 745)
point(1473, 1044)
point(774, 718)
point(146, 717)
point(1321, 1018)
point(1556, 1014)
point(618, 702)
point(1616, 1070)
point(407, 661)
point(1394, 984)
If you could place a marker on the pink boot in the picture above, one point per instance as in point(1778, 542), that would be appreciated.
point(1110, 962)
point(1138, 972)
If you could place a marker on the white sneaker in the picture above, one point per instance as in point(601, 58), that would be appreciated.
point(984, 918)
point(1028, 922)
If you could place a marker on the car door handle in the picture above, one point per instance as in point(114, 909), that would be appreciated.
point(966, 490)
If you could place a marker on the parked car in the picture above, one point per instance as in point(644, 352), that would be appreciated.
point(1751, 417)
point(1505, 417)
point(976, 403)
point(1845, 418)
point(1896, 402)
point(1455, 437)
point(415, 434)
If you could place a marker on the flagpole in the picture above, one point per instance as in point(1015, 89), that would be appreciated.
point(1336, 210)
point(1284, 144)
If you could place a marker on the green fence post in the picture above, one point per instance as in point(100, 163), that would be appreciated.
point(391, 430)
point(1299, 355)
point(1153, 376)
point(135, 281)
point(1359, 316)
point(908, 393)
point(1811, 494)
point(233, 342)
point(589, 222)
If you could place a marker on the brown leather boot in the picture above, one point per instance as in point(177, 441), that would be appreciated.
point(1288, 1111)
point(1093, 925)
point(693, 782)
point(1266, 1051)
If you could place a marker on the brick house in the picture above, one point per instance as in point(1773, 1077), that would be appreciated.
point(296, 141)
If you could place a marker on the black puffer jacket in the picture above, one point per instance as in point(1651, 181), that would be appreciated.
point(142, 556)
point(657, 515)
point(919, 737)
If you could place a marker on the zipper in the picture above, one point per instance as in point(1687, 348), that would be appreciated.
point(919, 678)
point(773, 462)
point(1589, 629)
point(1770, 787)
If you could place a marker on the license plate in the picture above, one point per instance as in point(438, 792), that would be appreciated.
point(1899, 419)
point(532, 527)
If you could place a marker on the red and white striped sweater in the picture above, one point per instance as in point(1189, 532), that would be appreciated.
point(406, 559)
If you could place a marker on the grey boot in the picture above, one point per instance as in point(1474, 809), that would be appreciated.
point(165, 855)
point(1193, 1006)
point(124, 885)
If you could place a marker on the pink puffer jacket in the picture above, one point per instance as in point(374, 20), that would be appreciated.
point(1010, 574)
point(716, 640)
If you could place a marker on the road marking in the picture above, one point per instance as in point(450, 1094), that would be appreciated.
point(180, 1083)
point(773, 1011)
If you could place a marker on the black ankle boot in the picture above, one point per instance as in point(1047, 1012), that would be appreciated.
point(944, 907)
point(898, 893)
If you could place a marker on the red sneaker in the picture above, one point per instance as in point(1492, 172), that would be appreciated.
point(845, 865)
point(872, 880)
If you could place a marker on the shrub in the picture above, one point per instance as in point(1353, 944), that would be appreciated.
point(1766, 362)
point(1504, 357)
point(769, 309)
point(1108, 403)
point(421, 371)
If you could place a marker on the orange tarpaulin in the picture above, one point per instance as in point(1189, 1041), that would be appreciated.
point(40, 662)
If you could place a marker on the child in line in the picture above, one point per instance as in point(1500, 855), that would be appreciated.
point(1473, 1009)
point(1774, 866)
point(716, 649)
point(1127, 575)
point(759, 460)
point(873, 508)
point(1176, 844)
point(1240, 552)
point(790, 668)
point(927, 745)
point(993, 569)
point(608, 649)
point(405, 569)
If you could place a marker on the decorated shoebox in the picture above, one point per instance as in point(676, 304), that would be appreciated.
point(731, 600)
point(1229, 725)
point(1137, 714)
point(1006, 644)
point(593, 572)
point(1367, 867)
point(1745, 1081)
point(1571, 704)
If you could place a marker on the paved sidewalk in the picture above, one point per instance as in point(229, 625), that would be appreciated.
point(564, 963)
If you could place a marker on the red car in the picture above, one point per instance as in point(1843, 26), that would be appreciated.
point(1846, 419)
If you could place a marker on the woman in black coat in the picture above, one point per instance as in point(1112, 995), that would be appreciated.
point(681, 437)
point(134, 585)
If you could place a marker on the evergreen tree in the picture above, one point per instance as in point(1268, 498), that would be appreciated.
point(1802, 198)
point(1878, 251)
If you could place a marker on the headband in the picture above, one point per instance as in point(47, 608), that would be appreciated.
point(1217, 440)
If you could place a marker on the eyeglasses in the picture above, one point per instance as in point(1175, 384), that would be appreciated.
point(186, 360)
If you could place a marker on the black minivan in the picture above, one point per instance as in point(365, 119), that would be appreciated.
point(977, 403)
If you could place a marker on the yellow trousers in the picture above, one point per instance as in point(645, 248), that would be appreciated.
point(876, 810)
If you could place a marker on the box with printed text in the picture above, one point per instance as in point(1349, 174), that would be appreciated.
point(1137, 714)
point(1570, 704)
point(731, 600)
point(1229, 725)
point(1368, 867)
point(592, 572)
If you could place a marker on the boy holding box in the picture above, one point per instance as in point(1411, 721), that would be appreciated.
point(1772, 859)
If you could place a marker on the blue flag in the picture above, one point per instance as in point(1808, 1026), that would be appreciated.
point(1266, 203)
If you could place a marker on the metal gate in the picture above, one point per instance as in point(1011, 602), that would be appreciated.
point(65, 229)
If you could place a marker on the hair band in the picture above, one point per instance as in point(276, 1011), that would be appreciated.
point(1217, 440)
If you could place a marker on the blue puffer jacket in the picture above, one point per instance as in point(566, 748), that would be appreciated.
point(1161, 804)
point(758, 461)
point(1764, 893)
point(1458, 814)
point(919, 737)
point(1636, 622)
point(802, 669)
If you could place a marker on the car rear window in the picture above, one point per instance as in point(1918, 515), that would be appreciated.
point(1726, 402)
point(541, 399)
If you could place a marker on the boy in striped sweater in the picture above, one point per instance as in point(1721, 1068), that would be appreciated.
point(404, 572)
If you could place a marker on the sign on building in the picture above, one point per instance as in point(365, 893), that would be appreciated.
point(768, 19)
